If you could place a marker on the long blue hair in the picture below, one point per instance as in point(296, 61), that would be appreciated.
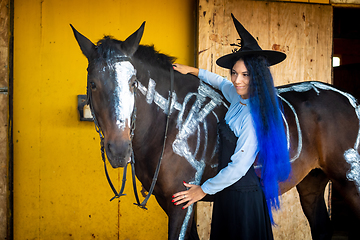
point(266, 108)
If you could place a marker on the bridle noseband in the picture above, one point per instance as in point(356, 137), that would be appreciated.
point(132, 131)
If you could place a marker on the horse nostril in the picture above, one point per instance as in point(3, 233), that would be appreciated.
point(109, 148)
point(118, 150)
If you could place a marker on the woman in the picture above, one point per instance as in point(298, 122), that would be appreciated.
point(253, 129)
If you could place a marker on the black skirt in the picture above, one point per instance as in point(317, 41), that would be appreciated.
point(240, 210)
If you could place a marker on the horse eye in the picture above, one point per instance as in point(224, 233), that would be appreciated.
point(133, 82)
point(93, 85)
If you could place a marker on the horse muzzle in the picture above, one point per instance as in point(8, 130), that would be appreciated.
point(118, 152)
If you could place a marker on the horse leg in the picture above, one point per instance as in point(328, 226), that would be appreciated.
point(350, 193)
point(311, 191)
point(193, 231)
point(176, 222)
point(177, 218)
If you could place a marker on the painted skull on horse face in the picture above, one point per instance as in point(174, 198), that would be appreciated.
point(111, 84)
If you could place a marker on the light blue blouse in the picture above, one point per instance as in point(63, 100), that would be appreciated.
point(238, 117)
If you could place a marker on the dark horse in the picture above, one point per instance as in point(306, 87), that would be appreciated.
point(322, 125)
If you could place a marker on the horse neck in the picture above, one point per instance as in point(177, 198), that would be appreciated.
point(151, 103)
point(154, 81)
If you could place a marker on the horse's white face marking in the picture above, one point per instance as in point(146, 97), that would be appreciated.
point(123, 97)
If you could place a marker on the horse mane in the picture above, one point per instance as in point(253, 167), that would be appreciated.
point(109, 47)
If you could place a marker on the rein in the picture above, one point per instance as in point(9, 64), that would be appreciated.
point(132, 130)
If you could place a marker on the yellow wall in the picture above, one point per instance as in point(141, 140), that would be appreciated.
point(60, 189)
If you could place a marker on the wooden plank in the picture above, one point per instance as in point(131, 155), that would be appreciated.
point(4, 42)
point(304, 33)
point(4, 165)
point(345, 2)
point(4, 80)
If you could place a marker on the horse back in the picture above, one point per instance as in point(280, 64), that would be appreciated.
point(322, 124)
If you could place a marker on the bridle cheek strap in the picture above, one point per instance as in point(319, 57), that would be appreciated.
point(117, 195)
point(97, 127)
point(102, 149)
point(143, 204)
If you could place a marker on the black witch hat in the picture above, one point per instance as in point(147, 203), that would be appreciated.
point(249, 46)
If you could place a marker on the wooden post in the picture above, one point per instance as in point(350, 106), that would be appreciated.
point(4, 99)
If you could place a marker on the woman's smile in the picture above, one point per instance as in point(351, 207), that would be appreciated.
point(240, 78)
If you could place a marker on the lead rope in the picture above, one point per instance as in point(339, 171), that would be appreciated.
point(143, 204)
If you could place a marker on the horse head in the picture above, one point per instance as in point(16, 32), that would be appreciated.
point(110, 90)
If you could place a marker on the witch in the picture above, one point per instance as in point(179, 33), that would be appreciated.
point(252, 129)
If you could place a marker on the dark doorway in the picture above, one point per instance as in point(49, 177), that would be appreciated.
point(347, 78)
point(347, 48)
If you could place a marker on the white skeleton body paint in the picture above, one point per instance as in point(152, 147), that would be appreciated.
point(187, 127)
point(351, 156)
point(194, 121)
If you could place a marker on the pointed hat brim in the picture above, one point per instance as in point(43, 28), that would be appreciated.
point(273, 57)
point(249, 46)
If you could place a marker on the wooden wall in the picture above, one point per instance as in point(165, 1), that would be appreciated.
point(304, 33)
point(4, 99)
point(345, 2)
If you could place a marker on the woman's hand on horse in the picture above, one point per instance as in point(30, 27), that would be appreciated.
point(186, 69)
point(190, 196)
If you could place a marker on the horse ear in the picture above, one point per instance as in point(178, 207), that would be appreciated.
point(86, 46)
point(131, 44)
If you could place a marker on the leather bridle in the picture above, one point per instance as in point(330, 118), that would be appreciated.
point(132, 131)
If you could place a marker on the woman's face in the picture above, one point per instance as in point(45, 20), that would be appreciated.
point(240, 77)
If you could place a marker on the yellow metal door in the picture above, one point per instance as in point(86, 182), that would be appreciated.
point(60, 189)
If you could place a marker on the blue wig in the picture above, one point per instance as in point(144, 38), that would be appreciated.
point(266, 109)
